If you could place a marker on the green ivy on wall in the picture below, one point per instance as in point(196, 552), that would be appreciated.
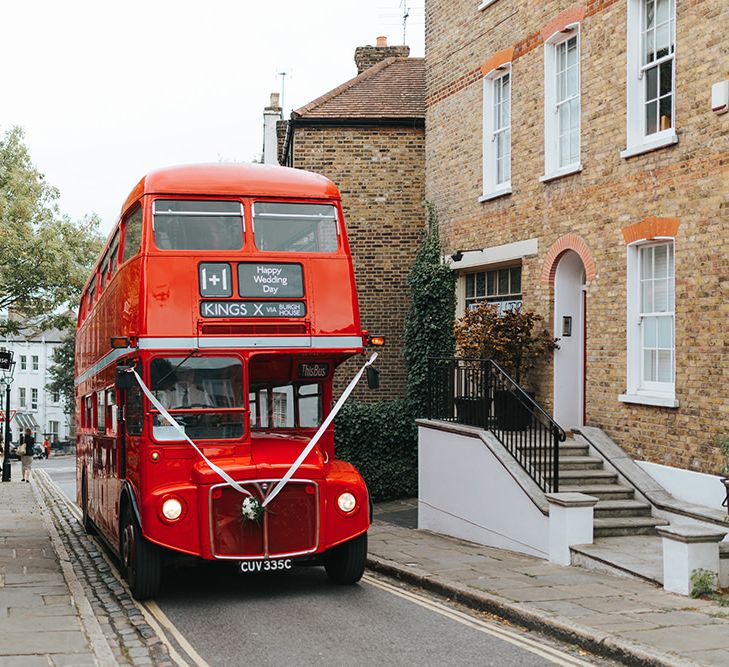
point(381, 439)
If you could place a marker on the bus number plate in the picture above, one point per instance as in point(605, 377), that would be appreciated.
point(272, 565)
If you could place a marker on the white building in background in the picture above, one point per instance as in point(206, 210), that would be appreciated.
point(36, 408)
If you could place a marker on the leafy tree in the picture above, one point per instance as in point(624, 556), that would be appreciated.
point(429, 325)
point(44, 256)
point(62, 370)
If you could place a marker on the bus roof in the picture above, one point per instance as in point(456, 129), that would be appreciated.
point(233, 179)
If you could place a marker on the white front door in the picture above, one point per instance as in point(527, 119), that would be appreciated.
point(569, 327)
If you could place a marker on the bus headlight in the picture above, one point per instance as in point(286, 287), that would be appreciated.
point(347, 502)
point(172, 509)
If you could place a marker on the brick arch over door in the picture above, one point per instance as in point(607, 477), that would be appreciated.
point(562, 245)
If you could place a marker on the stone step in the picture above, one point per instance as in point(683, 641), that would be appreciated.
point(566, 449)
point(621, 508)
point(638, 557)
point(572, 448)
point(580, 463)
point(621, 526)
point(602, 491)
point(585, 477)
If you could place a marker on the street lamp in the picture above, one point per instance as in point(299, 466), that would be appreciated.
point(7, 366)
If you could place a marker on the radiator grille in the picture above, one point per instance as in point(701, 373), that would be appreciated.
point(289, 527)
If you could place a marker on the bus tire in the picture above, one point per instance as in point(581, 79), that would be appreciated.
point(140, 559)
point(345, 563)
point(86, 521)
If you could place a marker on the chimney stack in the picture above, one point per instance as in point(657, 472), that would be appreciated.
point(366, 56)
point(271, 114)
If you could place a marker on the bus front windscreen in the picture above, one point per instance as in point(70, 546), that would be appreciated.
point(203, 394)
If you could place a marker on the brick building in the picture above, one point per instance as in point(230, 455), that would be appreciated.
point(368, 136)
point(574, 158)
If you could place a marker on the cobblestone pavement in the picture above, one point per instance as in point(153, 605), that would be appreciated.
point(626, 619)
point(133, 641)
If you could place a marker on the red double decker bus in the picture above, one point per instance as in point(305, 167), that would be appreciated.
point(207, 339)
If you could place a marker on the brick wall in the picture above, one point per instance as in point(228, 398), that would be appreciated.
point(688, 181)
point(380, 173)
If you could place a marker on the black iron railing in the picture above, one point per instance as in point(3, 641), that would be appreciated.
point(478, 392)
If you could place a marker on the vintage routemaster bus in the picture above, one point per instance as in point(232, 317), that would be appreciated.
point(208, 335)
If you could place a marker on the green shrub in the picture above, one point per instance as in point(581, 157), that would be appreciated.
point(381, 441)
point(703, 582)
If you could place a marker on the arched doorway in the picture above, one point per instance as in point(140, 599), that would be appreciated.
point(569, 326)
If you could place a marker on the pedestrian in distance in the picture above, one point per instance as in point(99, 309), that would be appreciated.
point(46, 447)
point(27, 458)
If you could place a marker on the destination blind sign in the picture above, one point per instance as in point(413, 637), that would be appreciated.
point(313, 370)
point(270, 280)
point(244, 309)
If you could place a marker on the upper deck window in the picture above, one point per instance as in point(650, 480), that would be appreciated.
point(295, 227)
point(132, 235)
point(198, 225)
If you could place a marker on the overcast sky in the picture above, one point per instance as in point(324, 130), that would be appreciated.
point(108, 91)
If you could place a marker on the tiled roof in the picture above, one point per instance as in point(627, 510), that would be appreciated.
point(393, 88)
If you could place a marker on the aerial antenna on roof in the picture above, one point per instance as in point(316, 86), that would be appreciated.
point(283, 76)
point(405, 14)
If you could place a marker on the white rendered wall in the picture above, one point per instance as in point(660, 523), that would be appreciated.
point(464, 491)
point(687, 485)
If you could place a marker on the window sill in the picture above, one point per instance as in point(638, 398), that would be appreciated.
point(565, 171)
point(668, 139)
point(501, 192)
point(661, 401)
point(486, 3)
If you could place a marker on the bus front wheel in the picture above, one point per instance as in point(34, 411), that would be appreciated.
point(345, 563)
point(141, 560)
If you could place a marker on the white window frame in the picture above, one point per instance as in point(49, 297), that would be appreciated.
point(637, 141)
point(661, 394)
point(22, 397)
point(552, 168)
point(35, 363)
point(509, 299)
point(492, 189)
point(34, 399)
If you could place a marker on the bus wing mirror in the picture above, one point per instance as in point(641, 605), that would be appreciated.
point(124, 378)
point(373, 377)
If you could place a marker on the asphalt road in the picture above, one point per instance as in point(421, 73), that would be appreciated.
point(299, 618)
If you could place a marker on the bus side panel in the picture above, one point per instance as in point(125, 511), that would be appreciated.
point(171, 305)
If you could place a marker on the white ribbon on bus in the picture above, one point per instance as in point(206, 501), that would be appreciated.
point(294, 466)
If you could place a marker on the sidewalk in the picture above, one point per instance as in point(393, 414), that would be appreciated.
point(61, 604)
point(623, 618)
point(41, 622)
